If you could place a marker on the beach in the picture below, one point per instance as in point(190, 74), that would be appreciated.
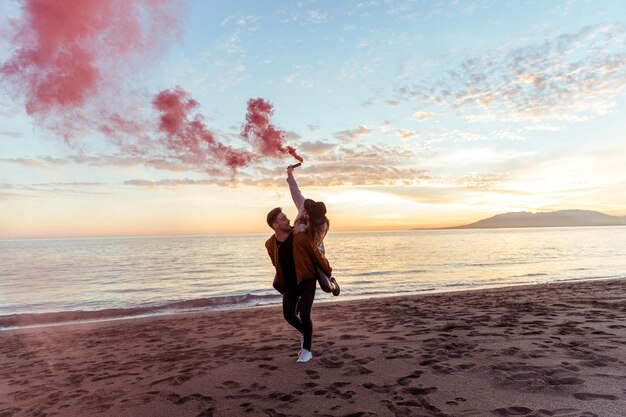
point(543, 350)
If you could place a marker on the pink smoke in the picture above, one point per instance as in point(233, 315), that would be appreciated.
point(71, 51)
point(187, 132)
point(74, 65)
point(259, 130)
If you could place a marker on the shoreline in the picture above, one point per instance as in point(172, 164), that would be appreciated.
point(206, 305)
point(555, 349)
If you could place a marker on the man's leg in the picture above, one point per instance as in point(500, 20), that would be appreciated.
point(307, 295)
point(290, 299)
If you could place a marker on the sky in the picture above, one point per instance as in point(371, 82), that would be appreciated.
point(121, 120)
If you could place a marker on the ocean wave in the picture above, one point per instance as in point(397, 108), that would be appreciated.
point(390, 272)
point(530, 275)
point(61, 317)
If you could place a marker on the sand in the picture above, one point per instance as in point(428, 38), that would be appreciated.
point(547, 350)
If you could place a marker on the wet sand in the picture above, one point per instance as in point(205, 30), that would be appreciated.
point(547, 350)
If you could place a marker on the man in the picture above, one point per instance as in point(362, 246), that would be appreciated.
point(295, 255)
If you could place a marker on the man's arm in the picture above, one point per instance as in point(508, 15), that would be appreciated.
point(269, 247)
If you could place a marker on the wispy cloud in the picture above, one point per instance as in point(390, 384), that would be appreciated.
point(247, 22)
point(14, 196)
point(27, 191)
point(406, 134)
point(317, 16)
point(40, 162)
point(352, 135)
point(422, 116)
point(116, 161)
point(327, 164)
point(168, 183)
point(569, 77)
point(12, 134)
point(318, 149)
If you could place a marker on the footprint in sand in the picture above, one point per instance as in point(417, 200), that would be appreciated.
point(312, 374)
point(456, 401)
point(585, 396)
point(178, 400)
point(406, 380)
point(230, 384)
point(247, 407)
point(382, 389)
point(284, 397)
point(418, 390)
point(512, 411)
point(356, 370)
point(331, 362)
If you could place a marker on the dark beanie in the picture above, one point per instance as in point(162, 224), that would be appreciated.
point(316, 209)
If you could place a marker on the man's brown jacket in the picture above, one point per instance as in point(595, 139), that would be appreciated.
point(305, 256)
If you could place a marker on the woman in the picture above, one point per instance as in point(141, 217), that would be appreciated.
point(311, 219)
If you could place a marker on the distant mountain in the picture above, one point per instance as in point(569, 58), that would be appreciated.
point(561, 218)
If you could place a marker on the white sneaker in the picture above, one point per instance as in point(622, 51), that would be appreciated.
point(304, 356)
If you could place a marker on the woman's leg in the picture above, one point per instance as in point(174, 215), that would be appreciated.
point(322, 278)
point(327, 284)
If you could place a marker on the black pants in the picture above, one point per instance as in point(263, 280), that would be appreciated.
point(305, 293)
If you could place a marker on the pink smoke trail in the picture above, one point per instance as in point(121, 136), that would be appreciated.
point(73, 56)
point(187, 132)
point(259, 130)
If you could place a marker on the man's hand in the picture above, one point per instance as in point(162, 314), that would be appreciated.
point(290, 169)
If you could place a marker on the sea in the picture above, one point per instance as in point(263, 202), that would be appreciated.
point(52, 281)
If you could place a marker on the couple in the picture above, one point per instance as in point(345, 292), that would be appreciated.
point(297, 253)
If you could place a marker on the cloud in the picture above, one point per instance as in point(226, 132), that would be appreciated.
point(14, 196)
point(327, 164)
point(569, 77)
point(316, 16)
point(24, 191)
point(313, 126)
point(352, 135)
point(318, 149)
point(172, 183)
point(422, 116)
point(333, 165)
point(41, 162)
point(482, 182)
point(385, 126)
point(116, 161)
point(69, 184)
point(406, 134)
point(12, 134)
point(248, 22)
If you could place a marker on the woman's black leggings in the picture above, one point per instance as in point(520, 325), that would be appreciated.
point(322, 278)
point(303, 296)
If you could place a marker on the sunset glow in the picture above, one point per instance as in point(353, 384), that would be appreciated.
point(178, 117)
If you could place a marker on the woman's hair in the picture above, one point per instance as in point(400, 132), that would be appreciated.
point(318, 222)
point(317, 229)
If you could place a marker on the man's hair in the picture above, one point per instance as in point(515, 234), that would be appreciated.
point(271, 216)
